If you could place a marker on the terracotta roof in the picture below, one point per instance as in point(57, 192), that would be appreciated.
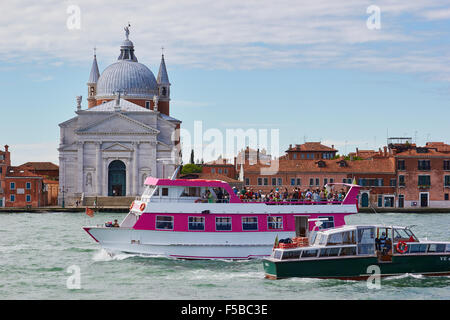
point(431, 153)
point(211, 176)
point(440, 146)
point(310, 146)
point(40, 166)
point(378, 165)
point(12, 172)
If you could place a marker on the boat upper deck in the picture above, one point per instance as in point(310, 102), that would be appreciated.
point(217, 191)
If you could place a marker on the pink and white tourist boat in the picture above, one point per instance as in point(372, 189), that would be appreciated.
point(171, 219)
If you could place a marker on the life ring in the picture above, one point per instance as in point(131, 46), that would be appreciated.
point(142, 207)
point(402, 247)
point(132, 205)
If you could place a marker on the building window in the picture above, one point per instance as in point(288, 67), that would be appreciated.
point(213, 170)
point(401, 164)
point(28, 185)
point(380, 201)
point(380, 182)
point(219, 170)
point(299, 182)
point(424, 181)
point(446, 181)
point(274, 181)
point(197, 223)
point(280, 181)
point(423, 165)
point(12, 198)
point(389, 202)
point(446, 164)
point(401, 200)
point(292, 181)
point(247, 181)
point(274, 223)
point(28, 198)
point(295, 156)
point(223, 224)
point(260, 181)
point(249, 223)
point(401, 181)
point(12, 186)
point(164, 222)
point(266, 181)
point(147, 104)
point(311, 181)
point(331, 180)
point(225, 171)
point(317, 182)
point(446, 196)
point(393, 182)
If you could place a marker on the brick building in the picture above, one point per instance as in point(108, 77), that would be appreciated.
point(423, 174)
point(23, 188)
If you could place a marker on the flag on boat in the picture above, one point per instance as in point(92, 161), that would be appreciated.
point(354, 181)
point(275, 245)
point(89, 212)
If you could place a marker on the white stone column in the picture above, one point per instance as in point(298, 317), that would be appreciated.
point(105, 177)
point(80, 156)
point(135, 182)
point(98, 168)
point(128, 177)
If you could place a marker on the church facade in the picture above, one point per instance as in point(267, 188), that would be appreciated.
point(124, 136)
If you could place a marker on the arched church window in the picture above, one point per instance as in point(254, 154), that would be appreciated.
point(164, 91)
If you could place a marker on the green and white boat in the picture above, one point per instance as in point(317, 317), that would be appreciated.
point(353, 252)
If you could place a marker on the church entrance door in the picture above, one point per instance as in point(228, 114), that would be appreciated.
point(116, 178)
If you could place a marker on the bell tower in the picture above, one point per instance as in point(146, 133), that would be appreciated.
point(92, 83)
point(163, 88)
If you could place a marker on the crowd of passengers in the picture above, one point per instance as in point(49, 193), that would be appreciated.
point(297, 195)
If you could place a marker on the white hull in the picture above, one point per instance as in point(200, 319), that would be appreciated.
point(188, 245)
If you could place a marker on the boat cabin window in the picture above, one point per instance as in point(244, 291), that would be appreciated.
point(366, 240)
point(191, 192)
point(340, 238)
point(249, 223)
point(327, 224)
point(436, 247)
point(417, 248)
point(197, 223)
point(348, 251)
point(329, 252)
point(291, 254)
point(319, 238)
point(148, 192)
point(165, 192)
point(447, 249)
point(277, 254)
point(309, 253)
point(164, 222)
point(223, 224)
point(274, 223)
point(404, 235)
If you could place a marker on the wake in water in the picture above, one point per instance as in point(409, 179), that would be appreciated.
point(104, 255)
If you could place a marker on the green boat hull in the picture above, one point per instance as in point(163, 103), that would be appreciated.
point(357, 268)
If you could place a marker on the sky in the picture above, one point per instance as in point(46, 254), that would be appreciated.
point(323, 70)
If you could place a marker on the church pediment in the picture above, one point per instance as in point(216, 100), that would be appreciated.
point(117, 147)
point(118, 124)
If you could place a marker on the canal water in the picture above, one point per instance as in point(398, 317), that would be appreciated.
point(38, 249)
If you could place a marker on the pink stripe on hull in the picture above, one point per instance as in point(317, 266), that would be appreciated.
point(147, 221)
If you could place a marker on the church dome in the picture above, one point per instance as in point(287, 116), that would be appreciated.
point(126, 75)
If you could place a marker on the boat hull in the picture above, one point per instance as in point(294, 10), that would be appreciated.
point(357, 268)
point(187, 245)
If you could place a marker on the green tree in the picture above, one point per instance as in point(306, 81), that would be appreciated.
point(191, 168)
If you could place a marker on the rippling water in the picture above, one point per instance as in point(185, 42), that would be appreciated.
point(37, 249)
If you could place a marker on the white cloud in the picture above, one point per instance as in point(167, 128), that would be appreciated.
point(228, 34)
